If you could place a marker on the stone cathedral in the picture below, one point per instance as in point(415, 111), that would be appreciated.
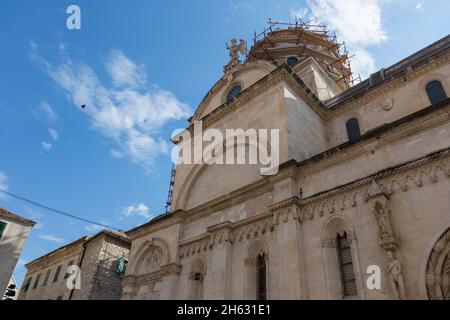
point(361, 195)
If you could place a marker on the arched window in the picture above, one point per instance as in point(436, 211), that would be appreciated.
point(261, 291)
point(436, 92)
point(346, 266)
point(234, 92)
point(353, 131)
point(292, 61)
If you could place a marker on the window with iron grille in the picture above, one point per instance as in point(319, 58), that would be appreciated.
point(346, 266)
point(261, 277)
point(436, 92)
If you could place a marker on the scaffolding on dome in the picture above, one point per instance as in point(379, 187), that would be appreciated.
point(170, 193)
point(315, 33)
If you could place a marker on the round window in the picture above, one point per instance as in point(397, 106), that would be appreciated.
point(233, 92)
point(292, 61)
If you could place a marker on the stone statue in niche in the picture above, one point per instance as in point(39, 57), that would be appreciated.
point(396, 276)
point(385, 229)
point(384, 223)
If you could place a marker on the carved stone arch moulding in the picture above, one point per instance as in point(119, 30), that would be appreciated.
point(193, 175)
point(257, 247)
point(337, 225)
point(154, 252)
point(438, 269)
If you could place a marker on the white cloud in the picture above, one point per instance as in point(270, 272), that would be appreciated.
point(116, 153)
point(46, 110)
point(93, 228)
point(140, 210)
point(300, 14)
point(131, 116)
point(238, 5)
point(46, 145)
point(53, 133)
point(357, 22)
point(50, 237)
point(363, 62)
point(125, 72)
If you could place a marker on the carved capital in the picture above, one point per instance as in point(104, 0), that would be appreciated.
point(222, 232)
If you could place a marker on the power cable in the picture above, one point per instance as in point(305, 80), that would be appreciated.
point(43, 206)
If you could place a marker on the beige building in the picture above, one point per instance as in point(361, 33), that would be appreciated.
point(362, 191)
point(12, 290)
point(97, 258)
point(14, 232)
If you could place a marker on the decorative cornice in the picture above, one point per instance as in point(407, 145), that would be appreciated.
point(164, 271)
point(157, 223)
point(399, 178)
point(284, 204)
point(281, 73)
point(219, 227)
point(248, 228)
point(260, 186)
point(365, 97)
point(222, 82)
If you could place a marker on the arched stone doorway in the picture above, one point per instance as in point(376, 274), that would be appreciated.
point(438, 269)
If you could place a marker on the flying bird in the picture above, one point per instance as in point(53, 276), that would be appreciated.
point(83, 106)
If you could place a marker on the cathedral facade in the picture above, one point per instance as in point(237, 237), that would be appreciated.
point(359, 206)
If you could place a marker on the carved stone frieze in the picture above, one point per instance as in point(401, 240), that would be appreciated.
point(414, 174)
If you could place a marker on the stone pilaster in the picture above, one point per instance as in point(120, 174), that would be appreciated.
point(220, 279)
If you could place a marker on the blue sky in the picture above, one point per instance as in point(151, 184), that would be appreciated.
point(142, 67)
